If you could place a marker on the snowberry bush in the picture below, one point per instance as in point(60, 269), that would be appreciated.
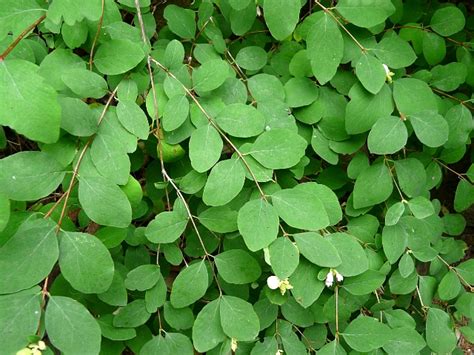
point(235, 176)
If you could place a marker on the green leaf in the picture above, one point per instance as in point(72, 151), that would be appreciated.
point(238, 319)
point(300, 92)
point(239, 4)
point(406, 266)
point(306, 286)
point(370, 72)
point(365, 334)
point(133, 119)
point(4, 212)
point(166, 227)
point(68, 323)
point(113, 333)
point(326, 196)
point(387, 136)
point(278, 149)
point(320, 145)
point(281, 17)
point(464, 196)
point(207, 330)
point(236, 266)
point(332, 348)
point(434, 48)
point(132, 315)
point(430, 128)
point(16, 15)
point(411, 176)
point(76, 117)
point(28, 103)
point(300, 210)
point(367, 13)
point(402, 285)
point(409, 104)
point(404, 341)
point(264, 87)
point(143, 277)
point(225, 181)
point(317, 249)
point(258, 224)
point(448, 20)
point(182, 318)
point(190, 285)
point(28, 256)
point(118, 56)
point(395, 52)
point(364, 283)
point(364, 109)
point(171, 343)
point(180, 21)
point(241, 120)
point(85, 83)
point(394, 241)
point(72, 11)
point(97, 195)
point(205, 147)
point(30, 175)
point(251, 58)
point(466, 270)
point(19, 315)
point(174, 55)
point(116, 295)
point(284, 257)
point(210, 75)
point(460, 125)
point(353, 256)
point(325, 48)
point(449, 286)
point(439, 332)
point(219, 219)
point(175, 113)
point(448, 77)
point(85, 262)
point(421, 207)
point(374, 185)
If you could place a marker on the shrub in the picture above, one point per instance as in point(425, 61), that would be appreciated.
point(259, 177)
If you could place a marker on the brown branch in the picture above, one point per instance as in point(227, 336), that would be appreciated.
point(20, 37)
point(97, 34)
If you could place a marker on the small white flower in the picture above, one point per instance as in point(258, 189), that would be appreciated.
point(279, 352)
point(329, 279)
point(233, 344)
point(273, 282)
point(388, 73)
point(339, 277)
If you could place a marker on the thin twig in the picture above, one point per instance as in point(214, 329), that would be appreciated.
point(453, 269)
point(96, 37)
point(166, 177)
point(329, 12)
point(79, 161)
point(451, 170)
point(20, 37)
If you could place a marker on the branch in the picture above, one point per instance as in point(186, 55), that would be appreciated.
point(20, 37)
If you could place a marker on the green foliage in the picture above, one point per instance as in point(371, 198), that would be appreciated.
point(237, 176)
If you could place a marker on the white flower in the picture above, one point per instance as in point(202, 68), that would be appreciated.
point(233, 344)
point(279, 352)
point(329, 279)
point(388, 73)
point(273, 282)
